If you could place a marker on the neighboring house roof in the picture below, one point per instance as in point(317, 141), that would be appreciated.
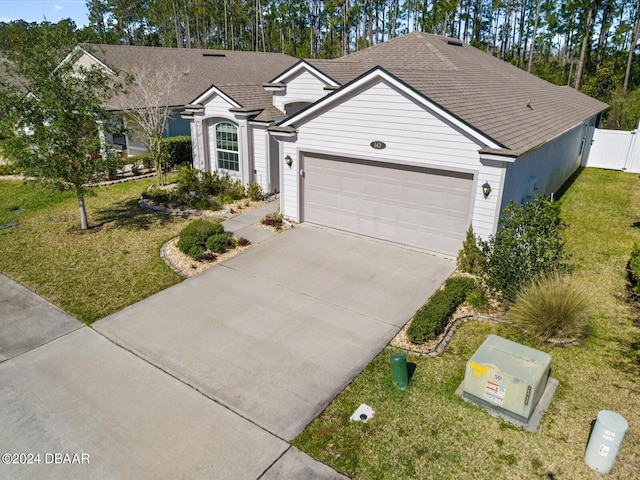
point(238, 74)
point(488, 94)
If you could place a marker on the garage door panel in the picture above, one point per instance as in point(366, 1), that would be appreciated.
point(413, 206)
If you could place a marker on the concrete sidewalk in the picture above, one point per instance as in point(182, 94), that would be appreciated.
point(244, 225)
point(27, 320)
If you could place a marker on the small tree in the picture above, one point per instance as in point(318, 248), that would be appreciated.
point(50, 115)
point(149, 93)
point(470, 257)
point(528, 244)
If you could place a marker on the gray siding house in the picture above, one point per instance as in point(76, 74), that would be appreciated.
point(417, 138)
point(410, 141)
point(228, 109)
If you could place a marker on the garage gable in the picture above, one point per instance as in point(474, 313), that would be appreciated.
point(378, 76)
point(381, 122)
point(377, 161)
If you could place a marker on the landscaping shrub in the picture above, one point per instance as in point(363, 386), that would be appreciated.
point(159, 195)
point(242, 242)
point(479, 298)
point(528, 244)
point(113, 163)
point(188, 179)
point(633, 270)
point(431, 320)
point(234, 188)
point(274, 219)
point(193, 237)
point(254, 192)
point(470, 257)
point(554, 306)
point(211, 183)
point(219, 243)
point(145, 160)
point(177, 150)
point(7, 169)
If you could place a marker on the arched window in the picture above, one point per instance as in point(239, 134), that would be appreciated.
point(227, 146)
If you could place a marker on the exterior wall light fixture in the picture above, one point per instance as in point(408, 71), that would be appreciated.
point(288, 160)
point(486, 189)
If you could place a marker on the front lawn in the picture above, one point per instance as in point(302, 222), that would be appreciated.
point(427, 432)
point(88, 274)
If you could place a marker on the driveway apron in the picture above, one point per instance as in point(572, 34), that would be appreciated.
point(275, 333)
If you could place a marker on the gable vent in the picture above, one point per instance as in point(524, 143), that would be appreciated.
point(213, 54)
point(454, 41)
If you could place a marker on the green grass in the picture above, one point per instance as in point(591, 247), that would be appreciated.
point(88, 274)
point(427, 432)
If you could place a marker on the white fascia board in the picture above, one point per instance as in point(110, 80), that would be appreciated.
point(213, 90)
point(300, 66)
point(497, 158)
point(380, 73)
point(282, 134)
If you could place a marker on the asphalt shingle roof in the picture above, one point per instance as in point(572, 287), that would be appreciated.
point(488, 94)
point(238, 74)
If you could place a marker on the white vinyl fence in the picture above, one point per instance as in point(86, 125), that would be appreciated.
point(615, 150)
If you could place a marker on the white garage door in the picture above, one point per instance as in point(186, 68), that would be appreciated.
point(413, 206)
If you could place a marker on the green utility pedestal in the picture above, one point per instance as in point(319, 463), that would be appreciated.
point(399, 373)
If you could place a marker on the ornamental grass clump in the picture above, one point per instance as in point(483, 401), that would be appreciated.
point(553, 307)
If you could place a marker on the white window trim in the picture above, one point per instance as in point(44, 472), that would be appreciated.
point(236, 152)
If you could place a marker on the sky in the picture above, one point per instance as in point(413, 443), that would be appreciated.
point(38, 10)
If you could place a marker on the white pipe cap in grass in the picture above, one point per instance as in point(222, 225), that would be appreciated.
point(362, 414)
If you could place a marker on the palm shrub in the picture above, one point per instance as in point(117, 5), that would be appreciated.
point(193, 238)
point(528, 244)
point(554, 306)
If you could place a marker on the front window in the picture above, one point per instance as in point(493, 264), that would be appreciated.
point(227, 146)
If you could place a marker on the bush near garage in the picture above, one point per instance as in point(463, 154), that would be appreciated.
point(431, 320)
point(193, 238)
point(527, 245)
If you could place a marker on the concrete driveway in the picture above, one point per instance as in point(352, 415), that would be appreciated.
point(275, 333)
point(212, 377)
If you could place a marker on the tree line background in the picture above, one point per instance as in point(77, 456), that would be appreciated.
point(590, 45)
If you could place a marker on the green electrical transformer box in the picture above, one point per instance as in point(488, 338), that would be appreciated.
point(507, 376)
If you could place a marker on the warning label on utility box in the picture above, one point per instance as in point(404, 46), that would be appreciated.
point(494, 393)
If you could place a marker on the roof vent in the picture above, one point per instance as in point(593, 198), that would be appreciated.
point(213, 54)
point(454, 41)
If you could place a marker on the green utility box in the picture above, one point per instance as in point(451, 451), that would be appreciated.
point(507, 376)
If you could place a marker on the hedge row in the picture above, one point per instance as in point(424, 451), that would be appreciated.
point(431, 320)
point(633, 269)
point(177, 150)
